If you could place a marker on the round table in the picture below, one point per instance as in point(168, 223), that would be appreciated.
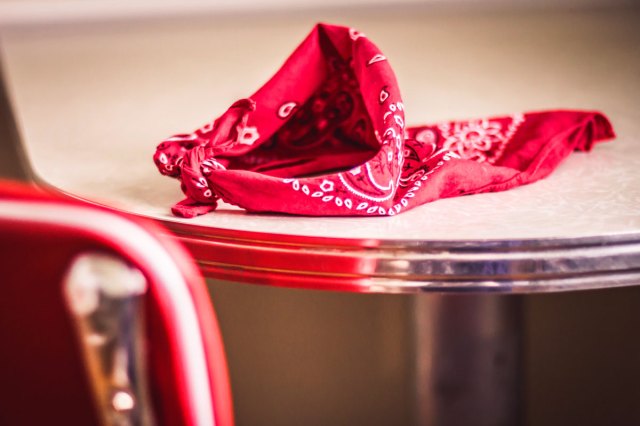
point(94, 101)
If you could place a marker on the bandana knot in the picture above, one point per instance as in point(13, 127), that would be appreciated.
point(191, 158)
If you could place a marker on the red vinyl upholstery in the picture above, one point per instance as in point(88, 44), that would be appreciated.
point(42, 378)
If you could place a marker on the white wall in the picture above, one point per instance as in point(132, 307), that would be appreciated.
point(26, 12)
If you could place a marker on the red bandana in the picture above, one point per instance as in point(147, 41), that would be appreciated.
point(326, 136)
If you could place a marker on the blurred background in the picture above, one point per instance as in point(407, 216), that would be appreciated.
point(20, 12)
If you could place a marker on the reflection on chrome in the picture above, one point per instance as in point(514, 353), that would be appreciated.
point(105, 297)
point(123, 401)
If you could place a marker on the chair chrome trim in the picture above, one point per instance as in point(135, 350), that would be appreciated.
point(105, 296)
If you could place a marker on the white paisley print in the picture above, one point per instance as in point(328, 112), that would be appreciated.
point(479, 140)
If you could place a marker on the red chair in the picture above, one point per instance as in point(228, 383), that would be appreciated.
point(103, 319)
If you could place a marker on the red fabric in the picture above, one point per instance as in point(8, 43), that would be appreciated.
point(326, 136)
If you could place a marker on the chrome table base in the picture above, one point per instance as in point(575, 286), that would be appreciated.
point(468, 360)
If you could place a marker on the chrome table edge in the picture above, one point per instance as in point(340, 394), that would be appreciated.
point(518, 266)
point(407, 266)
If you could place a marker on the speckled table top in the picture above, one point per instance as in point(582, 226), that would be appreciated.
point(108, 94)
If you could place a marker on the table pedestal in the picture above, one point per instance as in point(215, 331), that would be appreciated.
point(468, 359)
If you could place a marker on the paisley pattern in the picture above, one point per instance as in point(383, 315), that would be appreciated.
point(327, 136)
point(376, 58)
point(286, 109)
point(479, 140)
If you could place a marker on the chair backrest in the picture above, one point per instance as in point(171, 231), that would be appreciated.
point(102, 316)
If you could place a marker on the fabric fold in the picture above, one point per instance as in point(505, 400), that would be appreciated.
point(326, 136)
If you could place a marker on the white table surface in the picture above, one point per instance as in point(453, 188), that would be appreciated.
point(93, 102)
